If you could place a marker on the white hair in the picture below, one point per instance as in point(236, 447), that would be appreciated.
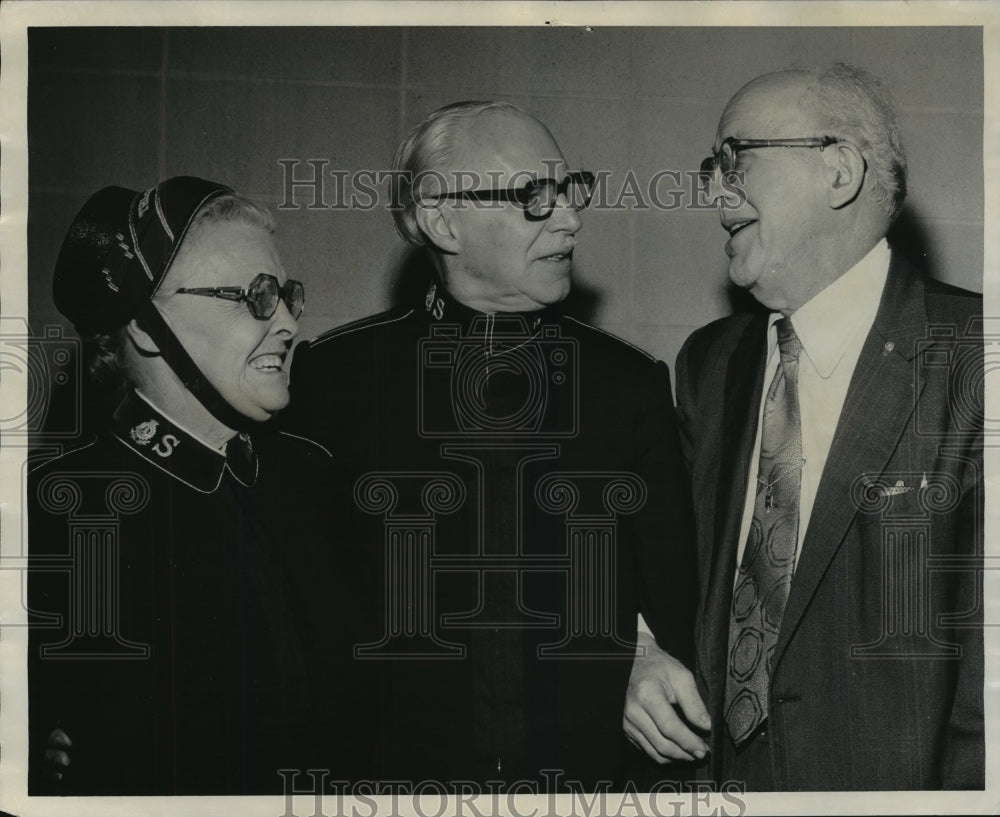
point(427, 148)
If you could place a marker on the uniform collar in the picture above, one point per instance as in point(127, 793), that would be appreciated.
point(152, 435)
point(441, 307)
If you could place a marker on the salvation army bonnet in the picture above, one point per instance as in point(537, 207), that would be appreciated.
point(119, 248)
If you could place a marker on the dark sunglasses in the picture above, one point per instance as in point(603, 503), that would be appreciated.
point(538, 197)
point(725, 160)
point(261, 296)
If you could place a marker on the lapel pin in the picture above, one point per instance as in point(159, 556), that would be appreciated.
point(888, 490)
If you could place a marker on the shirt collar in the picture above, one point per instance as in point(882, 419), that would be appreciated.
point(831, 319)
point(158, 439)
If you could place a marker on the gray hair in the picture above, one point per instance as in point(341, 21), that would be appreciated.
point(231, 207)
point(853, 105)
point(427, 147)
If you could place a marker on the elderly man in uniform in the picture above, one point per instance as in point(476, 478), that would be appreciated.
point(834, 439)
point(515, 473)
point(172, 568)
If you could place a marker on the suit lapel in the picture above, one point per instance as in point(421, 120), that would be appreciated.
point(743, 389)
point(882, 396)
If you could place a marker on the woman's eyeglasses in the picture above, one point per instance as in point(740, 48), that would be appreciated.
point(261, 296)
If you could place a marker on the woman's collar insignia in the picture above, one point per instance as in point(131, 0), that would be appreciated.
point(143, 433)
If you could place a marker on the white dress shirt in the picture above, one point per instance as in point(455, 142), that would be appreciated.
point(832, 328)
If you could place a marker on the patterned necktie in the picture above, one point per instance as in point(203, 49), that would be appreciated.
point(765, 573)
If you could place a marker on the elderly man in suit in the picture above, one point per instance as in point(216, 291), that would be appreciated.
point(834, 441)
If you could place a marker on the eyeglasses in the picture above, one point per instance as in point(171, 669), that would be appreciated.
point(725, 159)
point(261, 296)
point(538, 197)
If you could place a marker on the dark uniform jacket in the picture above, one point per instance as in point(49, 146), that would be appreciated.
point(878, 668)
point(172, 598)
point(517, 495)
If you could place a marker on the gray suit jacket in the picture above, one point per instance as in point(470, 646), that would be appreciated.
point(878, 669)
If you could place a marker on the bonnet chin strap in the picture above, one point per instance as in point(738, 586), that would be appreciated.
point(177, 358)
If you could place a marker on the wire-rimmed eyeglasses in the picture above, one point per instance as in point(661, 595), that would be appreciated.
point(725, 159)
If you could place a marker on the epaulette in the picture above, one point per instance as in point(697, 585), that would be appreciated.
point(38, 459)
point(612, 336)
point(311, 443)
point(389, 316)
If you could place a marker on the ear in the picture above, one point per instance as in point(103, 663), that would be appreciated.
point(438, 224)
point(845, 173)
point(143, 342)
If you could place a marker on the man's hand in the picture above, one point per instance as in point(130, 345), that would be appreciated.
point(56, 756)
point(659, 685)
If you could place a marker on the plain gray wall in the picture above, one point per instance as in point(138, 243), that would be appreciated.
point(128, 106)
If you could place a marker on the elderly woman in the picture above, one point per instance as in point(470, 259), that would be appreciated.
point(174, 566)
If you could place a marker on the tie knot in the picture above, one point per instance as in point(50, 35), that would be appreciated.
point(788, 342)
